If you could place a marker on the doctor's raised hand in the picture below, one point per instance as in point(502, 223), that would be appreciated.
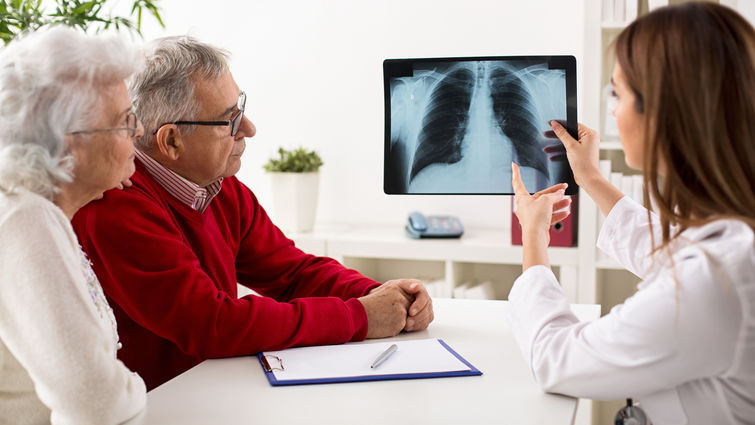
point(536, 213)
point(583, 154)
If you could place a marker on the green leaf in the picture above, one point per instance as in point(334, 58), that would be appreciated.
point(17, 16)
point(157, 16)
point(84, 7)
point(298, 160)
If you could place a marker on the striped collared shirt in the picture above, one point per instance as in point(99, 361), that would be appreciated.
point(189, 193)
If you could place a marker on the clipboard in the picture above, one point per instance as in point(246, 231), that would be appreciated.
point(350, 362)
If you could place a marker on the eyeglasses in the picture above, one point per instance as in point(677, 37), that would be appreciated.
point(234, 122)
point(631, 415)
point(132, 124)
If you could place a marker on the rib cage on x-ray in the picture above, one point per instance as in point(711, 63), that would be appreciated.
point(445, 121)
point(516, 115)
point(434, 111)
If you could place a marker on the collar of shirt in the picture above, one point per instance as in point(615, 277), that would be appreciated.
point(189, 193)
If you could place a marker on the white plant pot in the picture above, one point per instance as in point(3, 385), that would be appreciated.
point(294, 200)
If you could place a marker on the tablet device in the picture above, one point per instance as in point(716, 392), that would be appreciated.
point(454, 125)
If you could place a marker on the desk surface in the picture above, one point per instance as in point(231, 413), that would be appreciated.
point(235, 391)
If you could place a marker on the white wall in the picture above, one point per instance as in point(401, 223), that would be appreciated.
point(747, 9)
point(313, 74)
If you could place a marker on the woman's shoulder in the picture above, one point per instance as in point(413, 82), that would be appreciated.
point(721, 250)
point(22, 201)
point(727, 237)
point(22, 211)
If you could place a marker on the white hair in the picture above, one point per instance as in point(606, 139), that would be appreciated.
point(50, 85)
point(164, 90)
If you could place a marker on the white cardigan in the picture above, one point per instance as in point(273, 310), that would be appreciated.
point(57, 339)
point(684, 348)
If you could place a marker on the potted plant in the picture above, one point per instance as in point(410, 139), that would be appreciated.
point(295, 177)
point(19, 16)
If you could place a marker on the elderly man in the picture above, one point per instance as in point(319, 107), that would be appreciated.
point(170, 250)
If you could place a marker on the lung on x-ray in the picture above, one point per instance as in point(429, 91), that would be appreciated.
point(454, 125)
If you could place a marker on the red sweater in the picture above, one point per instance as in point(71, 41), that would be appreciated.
point(170, 275)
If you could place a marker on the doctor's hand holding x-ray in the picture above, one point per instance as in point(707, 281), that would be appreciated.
point(583, 156)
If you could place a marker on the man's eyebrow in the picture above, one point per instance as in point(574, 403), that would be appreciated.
point(227, 111)
point(612, 81)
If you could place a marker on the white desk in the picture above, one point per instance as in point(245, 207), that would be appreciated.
point(235, 391)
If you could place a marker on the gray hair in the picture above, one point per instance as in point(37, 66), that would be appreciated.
point(50, 84)
point(164, 90)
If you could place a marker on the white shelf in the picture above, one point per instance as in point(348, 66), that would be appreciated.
point(315, 242)
point(475, 246)
point(608, 264)
point(480, 254)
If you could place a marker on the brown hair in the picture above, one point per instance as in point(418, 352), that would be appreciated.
point(692, 70)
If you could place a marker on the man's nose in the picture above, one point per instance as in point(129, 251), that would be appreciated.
point(247, 128)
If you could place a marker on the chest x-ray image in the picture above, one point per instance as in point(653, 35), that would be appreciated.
point(454, 126)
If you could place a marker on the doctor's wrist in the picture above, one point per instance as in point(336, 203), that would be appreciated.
point(535, 236)
point(535, 230)
point(535, 249)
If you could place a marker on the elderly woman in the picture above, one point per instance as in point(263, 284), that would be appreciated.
point(684, 344)
point(66, 136)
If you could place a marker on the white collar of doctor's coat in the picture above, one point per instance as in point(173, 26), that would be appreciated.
point(724, 242)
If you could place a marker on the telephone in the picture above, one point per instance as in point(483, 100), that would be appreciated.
point(433, 226)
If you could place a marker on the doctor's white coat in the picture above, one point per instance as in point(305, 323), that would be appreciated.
point(683, 345)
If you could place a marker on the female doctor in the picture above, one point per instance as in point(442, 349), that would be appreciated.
point(684, 344)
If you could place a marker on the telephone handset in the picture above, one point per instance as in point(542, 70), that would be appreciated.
point(433, 226)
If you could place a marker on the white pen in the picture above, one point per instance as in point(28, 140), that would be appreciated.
point(384, 355)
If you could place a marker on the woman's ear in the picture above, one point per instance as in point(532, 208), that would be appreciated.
point(71, 144)
point(169, 141)
point(67, 142)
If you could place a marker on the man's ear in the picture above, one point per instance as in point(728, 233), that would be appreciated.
point(169, 141)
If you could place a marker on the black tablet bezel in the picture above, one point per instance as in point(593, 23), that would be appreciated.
point(566, 62)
